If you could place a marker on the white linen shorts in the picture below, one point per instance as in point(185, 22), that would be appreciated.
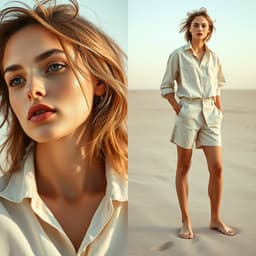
point(198, 124)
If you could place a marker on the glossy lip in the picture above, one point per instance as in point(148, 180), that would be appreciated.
point(39, 107)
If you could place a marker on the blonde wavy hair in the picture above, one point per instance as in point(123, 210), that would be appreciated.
point(101, 56)
point(186, 24)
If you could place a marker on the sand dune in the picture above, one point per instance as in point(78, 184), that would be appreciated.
point(154, 217)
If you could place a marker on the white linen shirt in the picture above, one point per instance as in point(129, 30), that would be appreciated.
point(28, 227)
point(194, 79)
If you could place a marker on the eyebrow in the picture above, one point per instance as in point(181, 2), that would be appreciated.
point(38, 58)
point(197, 23)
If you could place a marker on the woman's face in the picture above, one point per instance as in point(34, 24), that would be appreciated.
point(44, 92)
point(199, 28)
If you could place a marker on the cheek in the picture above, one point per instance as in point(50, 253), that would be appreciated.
point(16, 104)
point(87, 89)
point(69, 89)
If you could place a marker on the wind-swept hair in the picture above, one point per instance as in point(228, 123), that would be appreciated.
point(100, 55)
point(186, 24)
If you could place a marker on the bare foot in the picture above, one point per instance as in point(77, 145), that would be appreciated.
point(222, 228)
point(186, 231)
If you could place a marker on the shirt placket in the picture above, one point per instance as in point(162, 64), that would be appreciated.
point(100, 219)
point(207, 104)
point(44, 213)
point(198, 67)
point(201, 69)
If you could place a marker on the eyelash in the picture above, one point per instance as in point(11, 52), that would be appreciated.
point(59, 65)
point(12, 81)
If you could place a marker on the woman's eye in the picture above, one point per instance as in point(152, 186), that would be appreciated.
point(16, 81)
point(55, 67)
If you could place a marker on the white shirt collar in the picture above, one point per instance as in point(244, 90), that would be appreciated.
point(188, 46)
point(22, 184)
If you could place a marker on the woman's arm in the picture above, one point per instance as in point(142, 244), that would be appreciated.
point(175, 105)
point(170, 75)
point(218, 102)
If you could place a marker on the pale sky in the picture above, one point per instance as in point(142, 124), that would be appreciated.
point(153, 28)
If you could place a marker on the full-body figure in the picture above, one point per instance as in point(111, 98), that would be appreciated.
point(198, 74)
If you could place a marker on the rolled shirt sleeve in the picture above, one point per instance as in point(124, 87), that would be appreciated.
point(170, 75)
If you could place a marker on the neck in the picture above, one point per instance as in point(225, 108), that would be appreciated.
point(64, 170)
point(198, 45)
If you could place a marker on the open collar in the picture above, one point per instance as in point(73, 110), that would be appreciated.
point(21, 184)
point(188, 46)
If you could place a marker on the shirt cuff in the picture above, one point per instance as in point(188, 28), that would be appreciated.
point(218, 91)
point(165, 91)
point(220, 84)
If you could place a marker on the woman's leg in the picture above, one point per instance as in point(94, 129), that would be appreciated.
point(183, 165)
point(214, 161)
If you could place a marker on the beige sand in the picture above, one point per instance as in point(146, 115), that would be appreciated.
point(154, 217)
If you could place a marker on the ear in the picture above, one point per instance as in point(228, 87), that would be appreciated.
point(99, 88)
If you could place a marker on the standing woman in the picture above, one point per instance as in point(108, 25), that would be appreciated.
point(197, 72)
point(64, 100)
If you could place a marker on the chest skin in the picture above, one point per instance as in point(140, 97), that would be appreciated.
point(75, 216)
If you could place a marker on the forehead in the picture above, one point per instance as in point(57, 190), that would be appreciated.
point(200, 19)
point(29, 42)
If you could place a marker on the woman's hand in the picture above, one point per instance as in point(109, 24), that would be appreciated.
point(175, 105)
point(217, 103)
point(177, 109)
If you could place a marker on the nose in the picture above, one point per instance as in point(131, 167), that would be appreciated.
point(35, 88)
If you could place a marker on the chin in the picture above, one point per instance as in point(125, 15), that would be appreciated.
point(44, 138)
point(46, 135)
point(52, 132)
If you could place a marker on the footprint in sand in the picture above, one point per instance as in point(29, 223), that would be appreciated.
point(162, 247)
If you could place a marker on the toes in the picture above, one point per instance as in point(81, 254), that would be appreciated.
point(191, 236)
point(228, 231)
point(231, 232)
point(186, 232)
point(225, 230)
point(186, 235)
